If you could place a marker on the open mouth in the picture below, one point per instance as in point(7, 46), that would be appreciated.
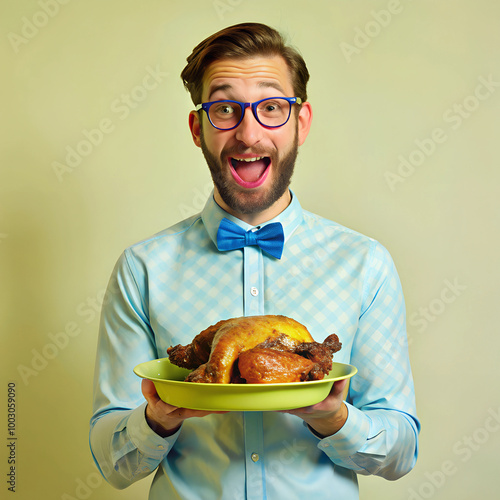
point(250, 172)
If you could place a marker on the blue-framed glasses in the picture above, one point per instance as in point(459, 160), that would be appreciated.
point(271, 112)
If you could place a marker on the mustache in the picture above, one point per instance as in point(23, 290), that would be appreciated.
point(235, 151)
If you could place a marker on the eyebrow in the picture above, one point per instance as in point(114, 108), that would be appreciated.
point(227, 86)
point(223, 87)
point(273, 85)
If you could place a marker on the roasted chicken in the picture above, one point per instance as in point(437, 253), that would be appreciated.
point(266, 366)
point(255, 349)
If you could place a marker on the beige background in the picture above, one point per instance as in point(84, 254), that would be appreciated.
point(387, 75)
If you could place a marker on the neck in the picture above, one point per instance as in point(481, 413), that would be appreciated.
point(257, 218)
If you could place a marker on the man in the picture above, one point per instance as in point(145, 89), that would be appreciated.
point(251, 116)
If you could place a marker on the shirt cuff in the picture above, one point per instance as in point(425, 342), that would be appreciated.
point(145, 439)
point(350, 438)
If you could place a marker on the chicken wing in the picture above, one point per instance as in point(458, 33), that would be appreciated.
point(197, 352)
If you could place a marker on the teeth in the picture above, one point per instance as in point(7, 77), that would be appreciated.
point(249, 159)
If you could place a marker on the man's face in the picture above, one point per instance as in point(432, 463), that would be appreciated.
point(251, 165)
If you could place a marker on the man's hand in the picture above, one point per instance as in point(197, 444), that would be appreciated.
point(163, 418)
point(328, 416)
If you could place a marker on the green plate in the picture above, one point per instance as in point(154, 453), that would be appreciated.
point(170, 385)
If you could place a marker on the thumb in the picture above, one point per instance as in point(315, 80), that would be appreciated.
point(338, 387)
point(149, 391)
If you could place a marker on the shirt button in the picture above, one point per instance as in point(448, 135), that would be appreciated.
point(254, 457)
point(161, 447)
point(254, 291)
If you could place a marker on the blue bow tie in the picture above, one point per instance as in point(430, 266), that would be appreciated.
point(270, 238)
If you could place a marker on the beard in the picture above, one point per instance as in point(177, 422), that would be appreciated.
point(251, 201)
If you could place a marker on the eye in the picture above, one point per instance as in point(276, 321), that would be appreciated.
point(224, 109)
point(271, 107)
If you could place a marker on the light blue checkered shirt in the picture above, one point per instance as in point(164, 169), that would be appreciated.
point(168, 288)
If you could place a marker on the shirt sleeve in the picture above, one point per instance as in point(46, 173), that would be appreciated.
point(123, 445)
point(380, 435)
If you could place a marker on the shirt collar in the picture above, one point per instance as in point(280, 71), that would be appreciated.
point(212, 214)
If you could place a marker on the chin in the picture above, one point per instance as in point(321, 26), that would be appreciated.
point(262, 192)
point(254, 201)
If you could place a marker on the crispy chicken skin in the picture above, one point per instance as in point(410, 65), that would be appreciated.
point(320, 354)
point(267, 366)
point(241, 334)
point(283, 346)
point(277, 360)
point(197, 352)
point(245, 332)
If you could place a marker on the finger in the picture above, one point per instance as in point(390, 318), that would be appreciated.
point(338, 387)
point(149, 391)
point(151, 395)
point(296, 411)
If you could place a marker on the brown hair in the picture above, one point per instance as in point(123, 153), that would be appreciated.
point(238, 42)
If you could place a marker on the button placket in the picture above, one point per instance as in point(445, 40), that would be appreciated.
point(253, 292)
point(253, 281)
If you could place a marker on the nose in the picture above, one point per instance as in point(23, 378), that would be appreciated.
point(249, 131)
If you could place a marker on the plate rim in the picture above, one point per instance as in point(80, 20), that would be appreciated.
point(352, 371)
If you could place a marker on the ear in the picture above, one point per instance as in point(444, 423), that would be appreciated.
point(195, 127)
point(304, 121)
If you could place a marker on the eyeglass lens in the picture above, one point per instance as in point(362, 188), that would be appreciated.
point(271, 113)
